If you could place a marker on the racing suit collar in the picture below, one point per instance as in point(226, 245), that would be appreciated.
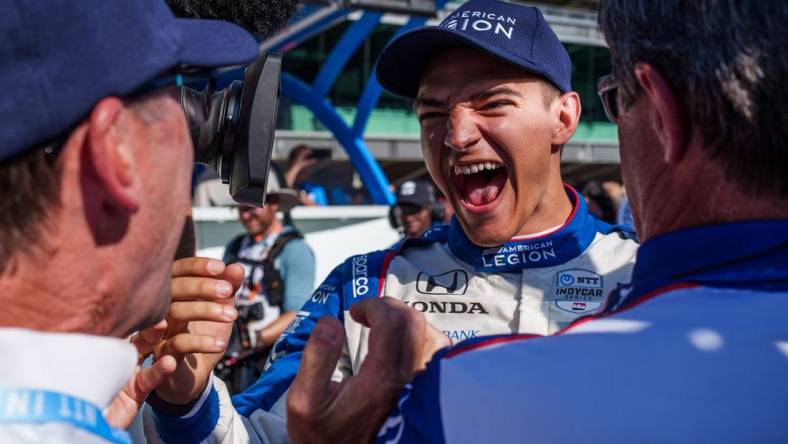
point(553, 248)
point(722, 253)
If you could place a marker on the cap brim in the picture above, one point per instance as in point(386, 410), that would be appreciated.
point(213, 43)
point(287, 198)
point(404, 60)
point(413, 201)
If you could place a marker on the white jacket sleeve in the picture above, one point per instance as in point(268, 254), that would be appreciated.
point(214, 420)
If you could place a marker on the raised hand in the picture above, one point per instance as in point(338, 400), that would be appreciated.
point(199, 324)
point(401, 342)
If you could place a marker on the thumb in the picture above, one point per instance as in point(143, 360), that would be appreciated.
point(317, 365)
point(126, 404)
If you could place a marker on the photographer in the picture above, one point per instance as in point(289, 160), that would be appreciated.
point(279, 270)
point(95, 167)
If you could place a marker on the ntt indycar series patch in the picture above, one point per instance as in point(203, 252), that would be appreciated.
point(533, 285)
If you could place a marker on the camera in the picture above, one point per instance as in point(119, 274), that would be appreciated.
point(233, 129)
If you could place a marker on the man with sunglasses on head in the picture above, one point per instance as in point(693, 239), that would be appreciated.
point(695, 349)
point(94, 190)
point(492, 88)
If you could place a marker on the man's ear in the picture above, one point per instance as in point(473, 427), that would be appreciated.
point(568, 118)
point(670, 124)
point(110, 154)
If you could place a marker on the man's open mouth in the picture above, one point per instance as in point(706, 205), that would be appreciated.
point(479, 184)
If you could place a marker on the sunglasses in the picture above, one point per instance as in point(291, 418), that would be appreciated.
point(607, 88)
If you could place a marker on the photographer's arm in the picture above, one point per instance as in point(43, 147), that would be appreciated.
point(268, 336)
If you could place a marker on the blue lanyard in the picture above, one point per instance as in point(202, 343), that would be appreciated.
point(38, 406)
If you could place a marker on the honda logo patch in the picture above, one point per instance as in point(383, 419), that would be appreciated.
point(451, 282)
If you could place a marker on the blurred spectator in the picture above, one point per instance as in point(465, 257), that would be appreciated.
point(600, 204)
point(616, 191)
point(416, 209)
point(618, 194)
point(298, 162)
point(279, 276)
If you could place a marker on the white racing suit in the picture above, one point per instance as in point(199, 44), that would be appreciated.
point(533, 285)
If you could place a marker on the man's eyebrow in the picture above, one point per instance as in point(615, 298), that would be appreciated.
point(428, 101)
point(501, 90)
point(482, 95)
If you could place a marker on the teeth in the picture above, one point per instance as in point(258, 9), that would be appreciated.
point(475, 168)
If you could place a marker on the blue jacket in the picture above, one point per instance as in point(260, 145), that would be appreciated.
point(694, 350)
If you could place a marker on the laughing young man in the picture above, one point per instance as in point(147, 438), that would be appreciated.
point(492, 92)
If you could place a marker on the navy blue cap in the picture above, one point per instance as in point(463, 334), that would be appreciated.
point(59, 57)
point(416, 192)
point(514, 33)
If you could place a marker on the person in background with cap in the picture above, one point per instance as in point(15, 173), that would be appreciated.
point(94, 190)
point(523, 255)
point(416, 209)
point(695, 349)
point(279, 276)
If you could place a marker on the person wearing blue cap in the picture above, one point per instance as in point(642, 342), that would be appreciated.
point(95, 168)
point(416, 209)
point(695, 348)
point(523, 255)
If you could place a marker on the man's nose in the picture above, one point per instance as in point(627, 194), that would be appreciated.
point(462, 131)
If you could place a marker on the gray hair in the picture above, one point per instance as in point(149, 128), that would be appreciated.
point(725, 60)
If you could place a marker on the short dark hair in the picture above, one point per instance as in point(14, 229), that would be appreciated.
point(549, 93)
point(29, 190)
point(724, 60)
